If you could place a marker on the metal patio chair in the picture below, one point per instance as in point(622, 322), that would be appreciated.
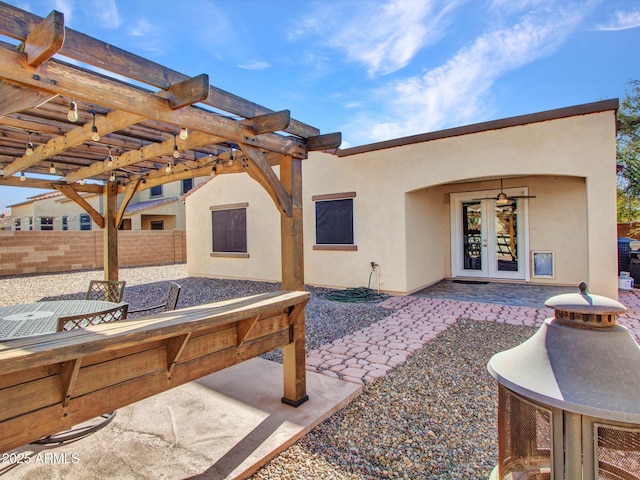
point(82, 320)
point(170, 303)
point(106, 290)
point(70, 323)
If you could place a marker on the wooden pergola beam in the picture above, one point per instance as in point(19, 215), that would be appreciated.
point(58, 77)
point(259, 169)
point(188, 92)
point(16, 23)
point(324, 142)
point(148, 152)
point(71, 194)
point(31, 182)
point(106, 124)
point(129, 191)
point(45, 40)
point(16, 98)
point(269, 122)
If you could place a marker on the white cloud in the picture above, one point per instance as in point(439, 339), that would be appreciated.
point(386, 38)
point(456, 92)
point(622, 21)
point(141, 28)
point(254, 65)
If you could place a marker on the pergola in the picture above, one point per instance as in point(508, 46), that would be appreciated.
point(74, 129)
point(79, 130)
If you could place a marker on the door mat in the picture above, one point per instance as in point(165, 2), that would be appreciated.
point(470, 282)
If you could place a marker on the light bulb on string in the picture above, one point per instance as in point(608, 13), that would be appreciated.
point(113, 176)
point(168, 168)
point(29, 150)
point(184, 133)
point(52, 168)
point(95, 136)
point(110, 160)
point(176, 152)
point(214, 170)
point(22, 177)
point(72, 115)
point(231, 160)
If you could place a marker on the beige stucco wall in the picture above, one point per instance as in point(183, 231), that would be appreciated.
point(401, 208)
point(263, 230)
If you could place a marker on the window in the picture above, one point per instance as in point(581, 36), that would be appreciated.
point(46, 223)
point(156, 191)
point(157, 224)
point(65, 223)
point(187, 184)
point(229, 229)
point(334, 221)
point(16, 224)
point(85, 221)
point(30, 222)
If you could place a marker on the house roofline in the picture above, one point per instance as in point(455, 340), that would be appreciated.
point(545, 116)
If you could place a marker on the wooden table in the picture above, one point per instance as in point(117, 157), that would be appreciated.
point(37, 318)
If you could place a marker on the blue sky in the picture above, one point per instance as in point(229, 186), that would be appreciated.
point(376, 70)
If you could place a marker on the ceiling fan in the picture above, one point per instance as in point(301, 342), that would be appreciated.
point(502, 199)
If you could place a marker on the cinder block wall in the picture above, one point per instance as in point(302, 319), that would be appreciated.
point(25, 252)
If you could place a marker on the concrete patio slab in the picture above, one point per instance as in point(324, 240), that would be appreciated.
point(223, 426)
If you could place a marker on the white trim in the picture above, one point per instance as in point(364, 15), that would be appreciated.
point(455, 202)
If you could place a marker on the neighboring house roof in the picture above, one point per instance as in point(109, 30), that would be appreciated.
point(196, 187)
point(584, 109)
point(35, 198)
point(137, 207)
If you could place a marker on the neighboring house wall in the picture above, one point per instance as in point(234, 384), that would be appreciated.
point(402, 206)
point(56, 206)
point(45, 252)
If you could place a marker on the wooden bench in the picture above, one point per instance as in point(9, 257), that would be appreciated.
point(51, 382)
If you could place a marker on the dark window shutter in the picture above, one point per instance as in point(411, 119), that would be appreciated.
point(229, 230)
point(334, 222)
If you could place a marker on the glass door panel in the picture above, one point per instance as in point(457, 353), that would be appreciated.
point(506, 238)
point(472, 230)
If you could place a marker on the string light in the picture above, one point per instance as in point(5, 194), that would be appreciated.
point(176, 153)
point(214, 170)
point(168, 168)
point(82, 181)
point(95, 136)
point(52, 168)
point(231, 160)
point(110, 161)
point(22, 177)
point(72, 115)
point(29, 150)
point(113, 176)
point(184, 133)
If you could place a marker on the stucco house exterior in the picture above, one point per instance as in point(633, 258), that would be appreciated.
point(157, 208)
point(523, 199)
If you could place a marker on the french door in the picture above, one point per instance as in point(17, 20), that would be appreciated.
point(488, 240)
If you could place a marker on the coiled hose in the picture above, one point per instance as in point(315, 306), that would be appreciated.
point(356, 295)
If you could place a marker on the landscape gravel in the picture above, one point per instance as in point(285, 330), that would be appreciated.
point(431, 417)
point(326, 320)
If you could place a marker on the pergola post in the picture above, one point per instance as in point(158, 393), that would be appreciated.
point(291, 234)
point(110, 231)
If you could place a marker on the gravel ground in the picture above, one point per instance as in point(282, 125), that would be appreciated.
point(325, 320)
point(433, 417)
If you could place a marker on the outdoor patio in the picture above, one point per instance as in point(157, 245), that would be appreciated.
point(426, 408)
